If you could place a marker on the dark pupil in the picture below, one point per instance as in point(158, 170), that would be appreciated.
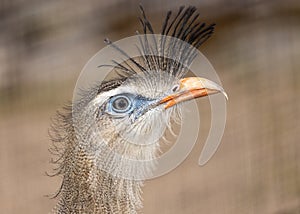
point(120, 103)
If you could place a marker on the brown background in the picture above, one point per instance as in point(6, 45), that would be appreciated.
point(256, 52)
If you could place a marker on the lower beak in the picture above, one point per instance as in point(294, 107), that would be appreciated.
point(191, 88)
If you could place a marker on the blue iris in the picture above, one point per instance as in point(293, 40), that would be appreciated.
point(121, 103)
point(126, 104)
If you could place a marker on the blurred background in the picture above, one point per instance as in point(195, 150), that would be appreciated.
point(255, 50)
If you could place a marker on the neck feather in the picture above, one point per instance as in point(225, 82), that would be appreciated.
point(86, 189)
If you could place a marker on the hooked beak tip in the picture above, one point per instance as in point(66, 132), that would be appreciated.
point(225, 94)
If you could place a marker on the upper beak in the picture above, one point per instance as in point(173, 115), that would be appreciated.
point(191, 88)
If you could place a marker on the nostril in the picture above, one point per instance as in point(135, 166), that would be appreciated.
point(175, 88)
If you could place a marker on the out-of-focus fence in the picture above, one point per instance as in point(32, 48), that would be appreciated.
point(256, 52)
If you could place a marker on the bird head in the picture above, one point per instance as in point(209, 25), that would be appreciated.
point(127, 118)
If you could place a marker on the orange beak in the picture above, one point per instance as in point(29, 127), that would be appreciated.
point(191, 88)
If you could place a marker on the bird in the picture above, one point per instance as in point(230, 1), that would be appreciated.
point(119, 121)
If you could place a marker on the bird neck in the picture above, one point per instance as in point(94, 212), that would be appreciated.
point(86, 189)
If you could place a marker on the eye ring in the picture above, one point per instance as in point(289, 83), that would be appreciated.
point(120, 104)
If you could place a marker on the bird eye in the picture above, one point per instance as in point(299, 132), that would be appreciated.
point(120, 104)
